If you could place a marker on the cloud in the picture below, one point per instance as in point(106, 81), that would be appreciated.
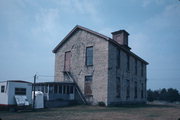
point(146, 3)
point(169, 18)
point(46, 20)
point(83, 7)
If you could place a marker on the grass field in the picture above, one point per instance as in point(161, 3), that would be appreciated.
point(145, 112)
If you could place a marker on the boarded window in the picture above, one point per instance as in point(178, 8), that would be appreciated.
point(135, 89)
point(2, 89)
point(127, 89)
point(118, 87)
point(89, 56)
point(67, 63)
point(88, 85)
point(20, 91)
point(118, 58)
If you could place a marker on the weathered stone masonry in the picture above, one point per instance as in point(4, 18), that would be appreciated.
point(104, 71)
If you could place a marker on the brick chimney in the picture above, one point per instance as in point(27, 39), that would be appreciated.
point(121, 37)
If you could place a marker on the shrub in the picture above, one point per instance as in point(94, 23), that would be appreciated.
point(102, 104)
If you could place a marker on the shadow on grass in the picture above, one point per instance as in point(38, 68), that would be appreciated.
point(88, 108)
point(143, 106)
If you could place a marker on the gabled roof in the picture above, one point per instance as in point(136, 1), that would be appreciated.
point(77, 27)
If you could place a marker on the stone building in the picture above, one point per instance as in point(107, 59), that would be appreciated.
point(103, 68)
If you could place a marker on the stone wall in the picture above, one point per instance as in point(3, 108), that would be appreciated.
point(124, 75)
point(77, 44)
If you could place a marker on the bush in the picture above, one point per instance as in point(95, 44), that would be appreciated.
point(102, 104)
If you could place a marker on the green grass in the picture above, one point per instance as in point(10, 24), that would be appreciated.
point(126, 112)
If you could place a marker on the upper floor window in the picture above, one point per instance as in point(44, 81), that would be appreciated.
point(135, 66)
point(142, 68)
point(128, 64)
point(118, 58)
point(2, 89)
point(89, 56)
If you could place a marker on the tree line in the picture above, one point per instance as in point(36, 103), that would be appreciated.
point(169, 95)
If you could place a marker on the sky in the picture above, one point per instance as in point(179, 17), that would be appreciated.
point(30, 29)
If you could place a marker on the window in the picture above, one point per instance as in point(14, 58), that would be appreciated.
point(71, 89)
point(118, 87)
point(42, 89)
point(64, 89)
point(2, 89)
point(67, 62)
point(142, 69)
point(88, 78)
point(118, 58)
point(46, 89)
point(67, 89)
point(88, 86)
point(55, 89)
point(135, 66)
point(142, 87)
point(89, 56)
point(128, 66)
point(51, 89)
point(135, 89)
point(127, 89)
point(20, 91)
point(60, 89)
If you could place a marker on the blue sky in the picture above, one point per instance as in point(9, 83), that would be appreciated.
point(30, 29)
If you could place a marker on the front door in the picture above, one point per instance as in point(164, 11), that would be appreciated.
point(67, 62)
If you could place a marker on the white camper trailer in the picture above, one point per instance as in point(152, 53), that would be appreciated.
point(15, 93)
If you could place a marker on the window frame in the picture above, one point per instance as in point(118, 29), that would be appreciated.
point(118, 58)
point(2, 88)
point(127, 89)
point(89, 56)
point(135, 89)
point(142, 65)
point(136, 68)
point(128, 62)
point(87, 77)
point(142, 90)
point(88, 92)
point(20, 91)
point(118, 87)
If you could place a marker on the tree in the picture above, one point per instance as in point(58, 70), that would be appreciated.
point(170, 95)
point(163, 94)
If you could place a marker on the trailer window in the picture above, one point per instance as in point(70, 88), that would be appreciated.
point(20, 91)
point(2, 89)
